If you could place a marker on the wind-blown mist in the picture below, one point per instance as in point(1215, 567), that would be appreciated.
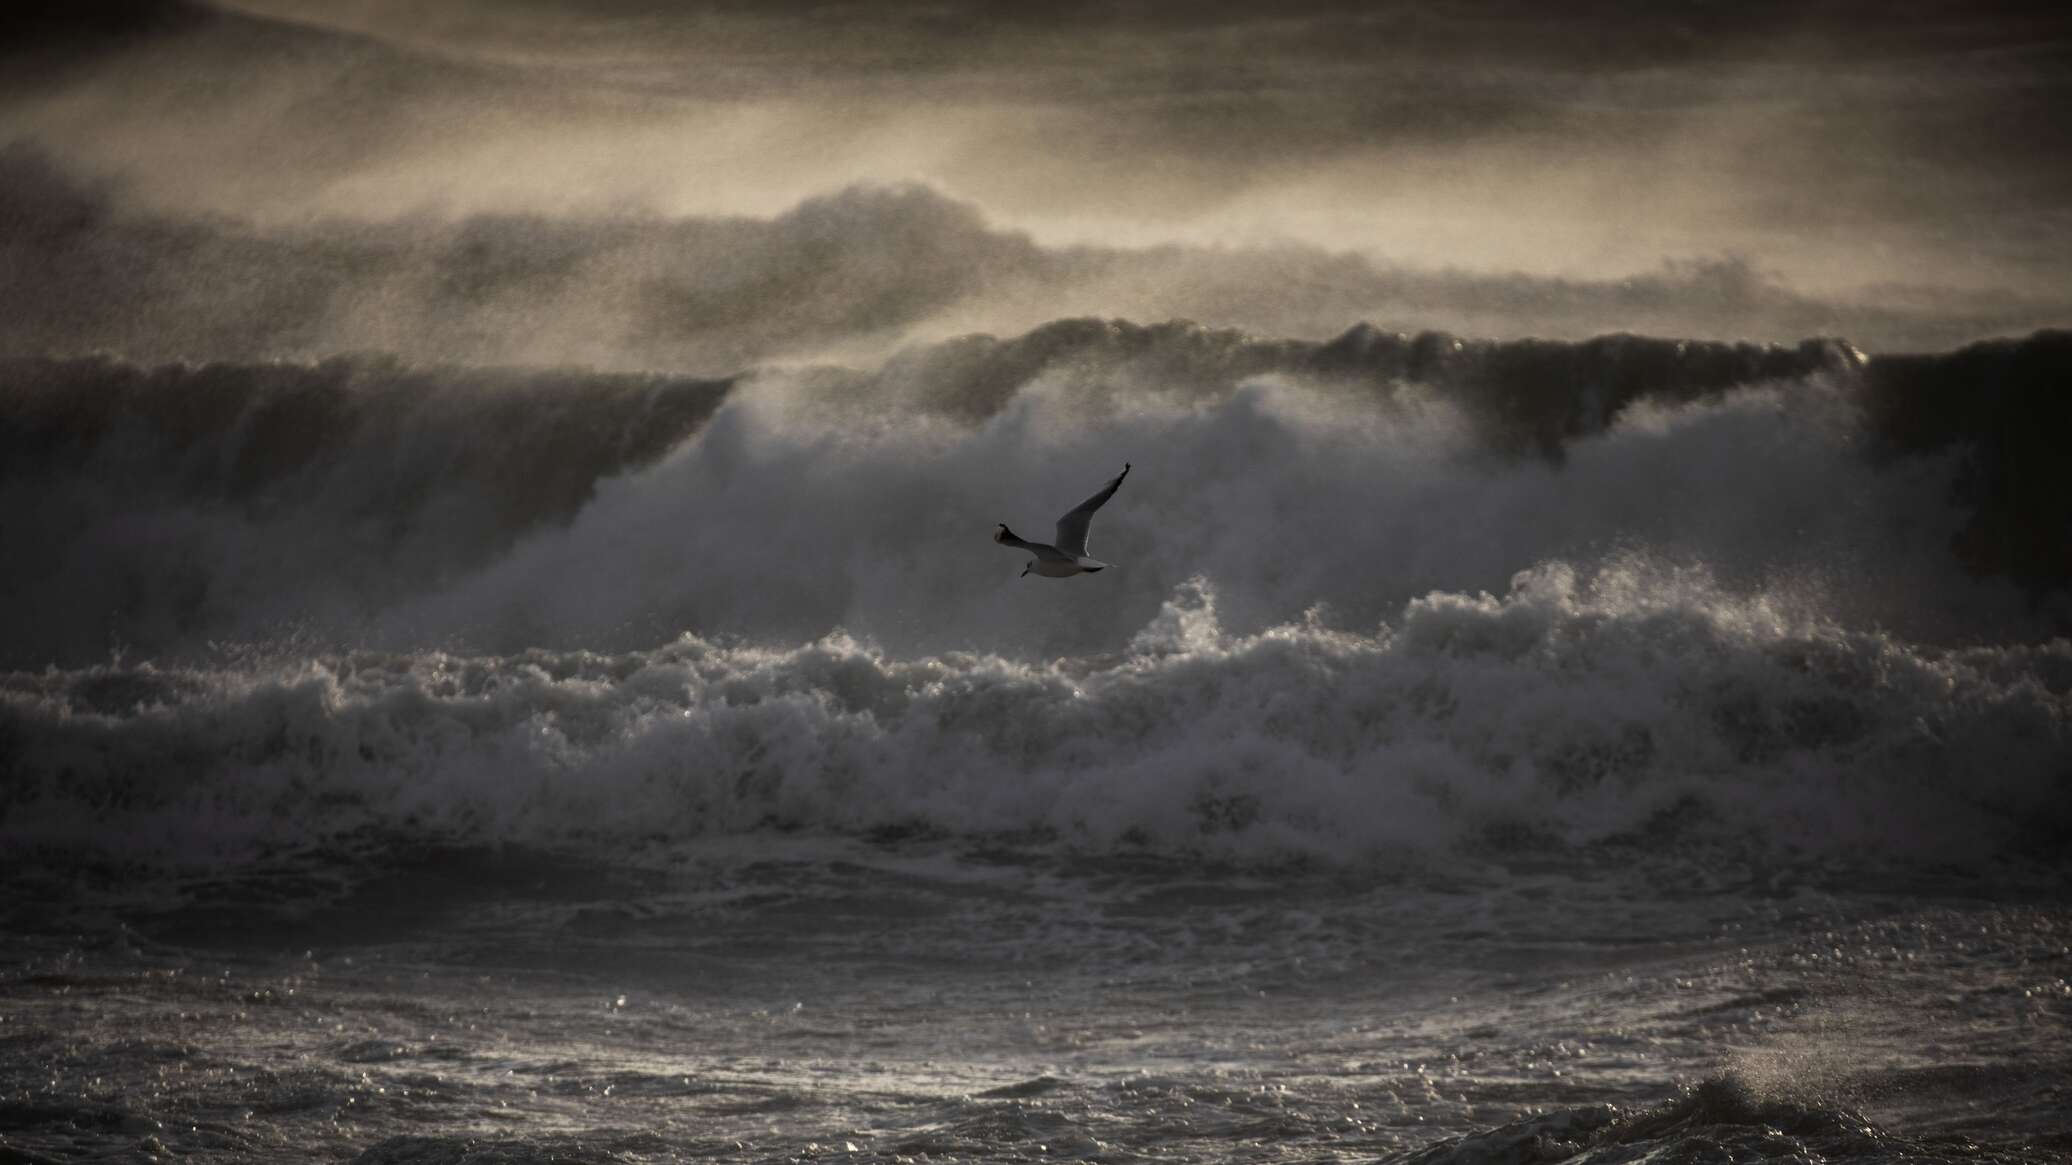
point(1881, 159)
point(368, 502)
point(851, 274)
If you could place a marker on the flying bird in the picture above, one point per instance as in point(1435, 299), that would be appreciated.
point(1068, 556)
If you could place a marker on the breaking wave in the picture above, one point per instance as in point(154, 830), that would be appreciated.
point(162, 507)
point(1629, 705)
point(1382, 596)
point(364, 502)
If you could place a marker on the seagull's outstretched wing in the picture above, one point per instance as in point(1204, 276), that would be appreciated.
point(1072, 527)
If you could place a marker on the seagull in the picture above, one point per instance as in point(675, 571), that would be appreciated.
point(1068, 557)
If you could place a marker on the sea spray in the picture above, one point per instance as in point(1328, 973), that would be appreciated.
point(1626, 702)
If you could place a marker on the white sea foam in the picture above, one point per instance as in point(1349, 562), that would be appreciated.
point(1629, 702)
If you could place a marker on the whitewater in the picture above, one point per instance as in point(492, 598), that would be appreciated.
point(1482, 751)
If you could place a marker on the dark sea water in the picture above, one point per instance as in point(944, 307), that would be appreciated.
point(785, 997)
point(1480, 752)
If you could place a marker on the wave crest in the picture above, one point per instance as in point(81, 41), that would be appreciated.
point(1626, 707)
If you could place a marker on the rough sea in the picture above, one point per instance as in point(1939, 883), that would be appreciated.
point(1481, 751)
point(503, 659)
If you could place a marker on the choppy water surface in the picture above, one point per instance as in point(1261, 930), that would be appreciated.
point(785, 997)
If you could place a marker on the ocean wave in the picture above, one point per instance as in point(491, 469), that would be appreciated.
point(159, 507)
point(366, 501)
point(1633, 705)
point(1722, 1114)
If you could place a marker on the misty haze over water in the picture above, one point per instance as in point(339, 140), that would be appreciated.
point(504, 661)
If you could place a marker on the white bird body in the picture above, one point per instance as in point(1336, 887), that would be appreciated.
point(1067, 556)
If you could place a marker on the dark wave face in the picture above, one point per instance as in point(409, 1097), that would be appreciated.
point(163, 508)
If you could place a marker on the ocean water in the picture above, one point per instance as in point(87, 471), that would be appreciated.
point(1481, 751)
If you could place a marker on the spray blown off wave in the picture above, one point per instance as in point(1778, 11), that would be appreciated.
point(359, 502)
point(855, 273)
point(1634, 706)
